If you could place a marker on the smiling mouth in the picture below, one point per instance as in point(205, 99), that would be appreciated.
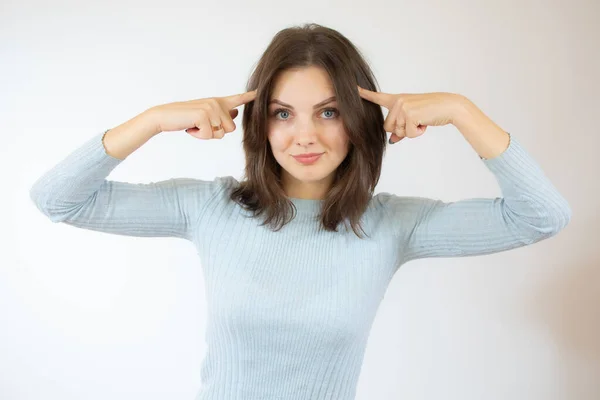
point(308, 159)
point(307, 155)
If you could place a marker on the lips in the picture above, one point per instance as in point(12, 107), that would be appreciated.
point(308, 158)
point(307, 155)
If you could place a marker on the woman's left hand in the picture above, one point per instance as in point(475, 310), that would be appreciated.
point(410, 114)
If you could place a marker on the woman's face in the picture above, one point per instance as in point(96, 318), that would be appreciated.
point(303, 118)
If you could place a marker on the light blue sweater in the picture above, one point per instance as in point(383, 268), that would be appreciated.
point(289, 312)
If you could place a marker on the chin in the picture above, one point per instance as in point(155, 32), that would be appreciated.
point(309, 174)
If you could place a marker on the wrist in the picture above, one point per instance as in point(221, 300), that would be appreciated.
point(147, 122)
point(463, 110)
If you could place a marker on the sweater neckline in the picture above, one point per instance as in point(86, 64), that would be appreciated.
point(307, 206)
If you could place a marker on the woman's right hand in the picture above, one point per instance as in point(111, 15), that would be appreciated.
point(198, 117)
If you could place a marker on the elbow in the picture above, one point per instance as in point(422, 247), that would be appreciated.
point(48, 205)
point(560, 217)
point(39, 198)
point(549, 222)
point(538, 221)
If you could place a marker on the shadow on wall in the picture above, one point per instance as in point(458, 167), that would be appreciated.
point(568, 305)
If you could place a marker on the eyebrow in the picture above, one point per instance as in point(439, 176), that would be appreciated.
point(326, 101)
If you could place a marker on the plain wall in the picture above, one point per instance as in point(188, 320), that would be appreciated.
point(88, 315)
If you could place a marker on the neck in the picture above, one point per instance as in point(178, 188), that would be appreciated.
point(296, 189)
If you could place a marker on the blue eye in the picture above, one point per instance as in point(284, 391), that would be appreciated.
point(331, 110)
point(279, 111)
point(276, 113)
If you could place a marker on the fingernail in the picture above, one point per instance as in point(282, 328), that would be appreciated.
point(390, 141)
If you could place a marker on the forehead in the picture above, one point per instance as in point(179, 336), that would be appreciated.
point(302, 86)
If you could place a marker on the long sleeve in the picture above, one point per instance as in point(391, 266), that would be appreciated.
point(76, 192)
point(530, 209)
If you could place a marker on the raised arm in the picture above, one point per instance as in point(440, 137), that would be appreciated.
point(76, 190)
point(530, 209)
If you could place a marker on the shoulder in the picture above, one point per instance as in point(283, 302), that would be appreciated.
point(216, 182)
point(401, 214)
point(199, 193)
point(196, 185)
point(227, 181)
point(403, 206)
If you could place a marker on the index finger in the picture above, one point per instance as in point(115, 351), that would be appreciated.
point(237, 100)
point(383, 99)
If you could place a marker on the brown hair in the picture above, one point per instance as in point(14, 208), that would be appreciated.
point(357, 176)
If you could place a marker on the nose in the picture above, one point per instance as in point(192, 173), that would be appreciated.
point(305, 133)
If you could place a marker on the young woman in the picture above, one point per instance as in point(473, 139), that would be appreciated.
point(298, 255)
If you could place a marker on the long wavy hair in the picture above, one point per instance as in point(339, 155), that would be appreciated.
point(356, 177)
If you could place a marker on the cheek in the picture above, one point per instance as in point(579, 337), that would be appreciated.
point(278, 140)
point(339, 141)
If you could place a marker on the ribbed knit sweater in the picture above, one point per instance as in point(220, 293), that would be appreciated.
point(289, 312)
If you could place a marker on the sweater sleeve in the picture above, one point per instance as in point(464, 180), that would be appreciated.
point(76, 192)
point(530, 209)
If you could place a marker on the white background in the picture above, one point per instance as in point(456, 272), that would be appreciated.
point(88, 315)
